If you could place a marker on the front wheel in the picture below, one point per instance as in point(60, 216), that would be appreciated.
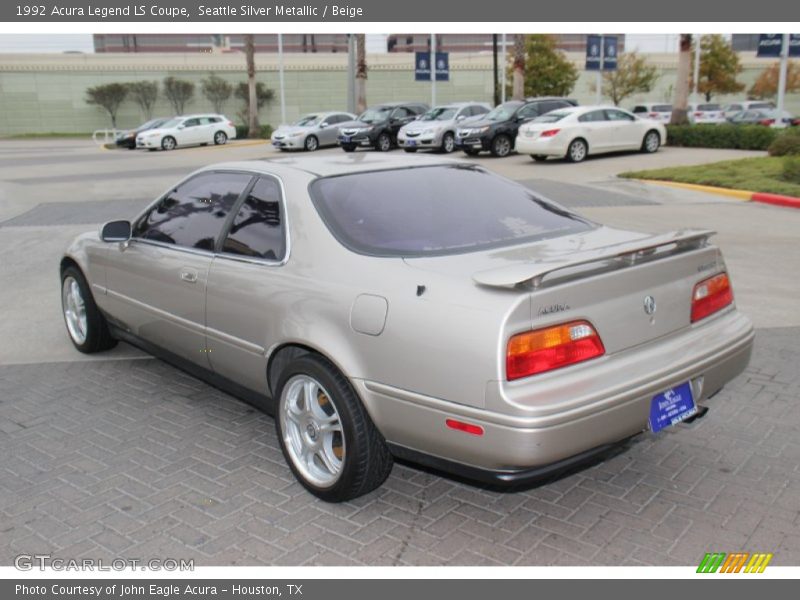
point(651, 142)
point(86, 325)
point(168, 143)
point(501, 146)
point(326, 434)
point(311, 143)
point(220, 138)
point(383, 143)
point(448, 143)
point(577, 150)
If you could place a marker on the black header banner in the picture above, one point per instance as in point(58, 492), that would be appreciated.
point(364, 11)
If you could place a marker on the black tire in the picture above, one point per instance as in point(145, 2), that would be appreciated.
point(220, 138)
point(311, 143)
point(448, 143)
point(348, 147)
point(651, 142)
point(383, 143)
point(501, 146)
point(577, 150)
point(410, 149)
point(366, 461)
point(471, 151)
point(169, 143)
point(98, 337)
point(539, 157)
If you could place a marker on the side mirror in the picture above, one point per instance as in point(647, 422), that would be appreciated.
point(116, 231)
point(323, 125)
point(461, 117)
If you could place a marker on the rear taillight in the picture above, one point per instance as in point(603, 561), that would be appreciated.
point(549, 133)
point(710, 296)
point(653, 115)
point(767, 122)
point(551, 348)
point(230, 124)
point(698, 114)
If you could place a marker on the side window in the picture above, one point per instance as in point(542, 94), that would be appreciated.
point(258, 229)
point(193, 213)
point(593, 117)
point(401, 112)
point(529, 112)
point(191, 122)
point(479, 110)
point(618, 115)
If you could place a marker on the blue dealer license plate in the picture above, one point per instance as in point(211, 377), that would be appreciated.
point(672, 406)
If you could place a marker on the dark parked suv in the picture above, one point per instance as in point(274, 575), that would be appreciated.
point(377, 126)
point(497, 131)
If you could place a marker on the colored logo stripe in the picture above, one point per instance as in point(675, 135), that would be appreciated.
point(734, 562)
point(758, 563)
point(711, 562)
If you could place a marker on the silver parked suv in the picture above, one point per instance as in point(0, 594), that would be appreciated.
point(436, 129)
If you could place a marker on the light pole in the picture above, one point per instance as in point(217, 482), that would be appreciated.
point(280, 78)
point(782, 80)
point(599, 80)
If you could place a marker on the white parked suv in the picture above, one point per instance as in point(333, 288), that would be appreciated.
point(188, 130)
point(707, 112)
point(658, 112)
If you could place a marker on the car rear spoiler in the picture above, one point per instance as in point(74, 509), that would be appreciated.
point(624, 254)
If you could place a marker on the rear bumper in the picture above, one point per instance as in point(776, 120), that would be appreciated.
point(552, 146)
point(609, 404)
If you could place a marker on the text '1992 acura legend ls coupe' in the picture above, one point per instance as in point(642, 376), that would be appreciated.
point(412, 307)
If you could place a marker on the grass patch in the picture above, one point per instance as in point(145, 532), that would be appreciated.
point(759, 174)
point(52, 134)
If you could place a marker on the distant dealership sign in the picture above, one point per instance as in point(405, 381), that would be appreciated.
point(422, 66)
point(594, 43)
point(769, 44)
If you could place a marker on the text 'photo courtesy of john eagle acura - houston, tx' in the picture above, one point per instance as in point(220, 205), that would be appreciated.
point(414, 307)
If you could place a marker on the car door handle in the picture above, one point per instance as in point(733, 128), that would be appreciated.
point(189, 275)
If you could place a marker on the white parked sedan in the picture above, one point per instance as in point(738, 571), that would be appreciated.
point(576, 132)
point(189, 130)
point(709, 112)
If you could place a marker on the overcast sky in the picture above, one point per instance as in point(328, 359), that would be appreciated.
point(71, 42)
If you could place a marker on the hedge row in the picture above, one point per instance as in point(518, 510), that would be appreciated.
point(740, 137)
point(242, 130)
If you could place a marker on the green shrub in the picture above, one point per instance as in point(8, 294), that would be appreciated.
point(241, 132)
point(786, 144)
point(791, 169)
point(738, 137)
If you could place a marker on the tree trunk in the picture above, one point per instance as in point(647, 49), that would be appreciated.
point(252, 101)
point(518, 72)
point(361, 73)
point(681, 102)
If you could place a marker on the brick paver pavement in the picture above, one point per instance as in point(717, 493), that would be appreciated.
point(133, 458)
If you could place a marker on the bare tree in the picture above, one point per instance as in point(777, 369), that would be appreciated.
point(252, 98)
point(178, 92)
point(680, 105)
point(518, 68)
point(109, 97)
point(361, 73)
point(145, 94)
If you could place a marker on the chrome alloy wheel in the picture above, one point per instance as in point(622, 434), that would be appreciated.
point(312, 431)
point(652, 141)
point(74, 308)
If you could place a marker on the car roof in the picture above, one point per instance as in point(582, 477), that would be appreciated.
point(325, 166)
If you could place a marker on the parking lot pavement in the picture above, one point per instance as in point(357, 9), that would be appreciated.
point(119, 454)
point(135, 459)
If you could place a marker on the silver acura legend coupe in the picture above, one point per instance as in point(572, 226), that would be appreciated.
point(410, 307)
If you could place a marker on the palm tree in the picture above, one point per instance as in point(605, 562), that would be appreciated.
point(680, 104)
point(361, 73)
point(518, 68)
point(252, 102)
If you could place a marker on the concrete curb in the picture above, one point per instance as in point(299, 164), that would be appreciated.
point(745, 195)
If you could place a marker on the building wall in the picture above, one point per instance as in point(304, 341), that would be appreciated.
point(46, 93)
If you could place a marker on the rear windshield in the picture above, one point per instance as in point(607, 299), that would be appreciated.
point(442, 209)
point(708, 107)
point(662, 108)
point(551, 117)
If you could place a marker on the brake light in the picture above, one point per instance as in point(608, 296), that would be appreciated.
point(551, 348)
point(766, 122)
point(653, 115)
point(698, 114)
point(549, 133)
point(230, 124)
point(710, 296)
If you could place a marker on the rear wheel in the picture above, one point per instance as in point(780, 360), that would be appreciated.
point(168, 143)
point(577, 150)
point(311, 143)
point(383, 143)
point(651, 142)
point(220, 138)
point(326, 434)
point(448, 143)
point(501, 146)
point(86, 325)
